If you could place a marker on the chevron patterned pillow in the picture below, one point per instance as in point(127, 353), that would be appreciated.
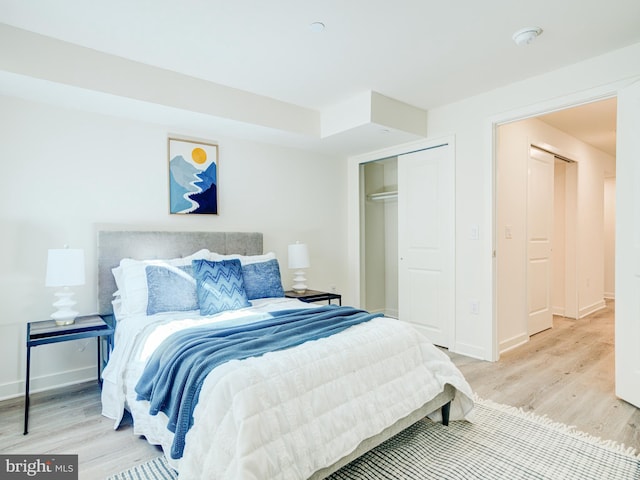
point(220, 286)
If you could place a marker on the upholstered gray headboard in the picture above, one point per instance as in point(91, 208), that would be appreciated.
point(116, 245)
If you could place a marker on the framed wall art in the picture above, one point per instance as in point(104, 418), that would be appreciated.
point(193, 177)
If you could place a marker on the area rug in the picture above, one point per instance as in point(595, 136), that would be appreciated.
point(502, 443)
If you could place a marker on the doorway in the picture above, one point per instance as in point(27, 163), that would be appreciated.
point(580, 254)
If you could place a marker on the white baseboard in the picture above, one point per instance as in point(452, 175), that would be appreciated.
point(584, 311)
point(469, 351)
point(513, 342)
point(588, 310)
point(391, 313)
point(609, 295)
point(48, 382)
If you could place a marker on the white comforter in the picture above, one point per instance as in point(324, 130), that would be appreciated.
point(289, 413)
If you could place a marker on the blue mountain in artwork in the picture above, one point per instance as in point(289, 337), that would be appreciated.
point(207, 199)
point(192, 190)
point(207, 177)
point(182, 177)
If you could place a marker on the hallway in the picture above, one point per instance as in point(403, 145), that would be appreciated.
point(566, 373)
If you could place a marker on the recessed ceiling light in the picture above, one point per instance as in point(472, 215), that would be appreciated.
point(316, 27)
point(526, 35)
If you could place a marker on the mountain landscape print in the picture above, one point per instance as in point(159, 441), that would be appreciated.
point(193, 182)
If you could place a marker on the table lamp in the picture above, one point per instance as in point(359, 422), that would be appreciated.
point(65, 268)
point(298, 260)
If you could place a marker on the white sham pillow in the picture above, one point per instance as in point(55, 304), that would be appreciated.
point(244, 259)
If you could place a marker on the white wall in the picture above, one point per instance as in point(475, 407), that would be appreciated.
point(590, 233)
point(66, 173)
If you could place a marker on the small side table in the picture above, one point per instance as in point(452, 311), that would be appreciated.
point(46, 331)
point(310, 296)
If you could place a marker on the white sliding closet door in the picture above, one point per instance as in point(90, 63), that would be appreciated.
point(539, 234)
point(426, 242)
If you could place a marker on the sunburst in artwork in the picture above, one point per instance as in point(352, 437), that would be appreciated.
point(199, 155)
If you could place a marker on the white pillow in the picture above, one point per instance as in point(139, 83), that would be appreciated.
point(244, 259)
point(117, 307)
point(131, 280)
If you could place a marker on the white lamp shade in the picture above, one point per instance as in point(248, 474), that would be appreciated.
point(65, 267)
point(298, 256)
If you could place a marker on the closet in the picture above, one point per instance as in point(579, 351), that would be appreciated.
point(407, 239)
point(379, 236)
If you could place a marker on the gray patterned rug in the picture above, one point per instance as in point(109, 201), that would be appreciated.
point(503, 443)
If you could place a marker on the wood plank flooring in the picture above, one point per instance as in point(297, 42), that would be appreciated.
point(68, 421)
point(565, 373)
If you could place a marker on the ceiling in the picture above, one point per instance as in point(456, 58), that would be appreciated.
point(424, 53)
point(593, 123)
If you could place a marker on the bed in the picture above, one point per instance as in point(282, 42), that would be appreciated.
point(302, 410)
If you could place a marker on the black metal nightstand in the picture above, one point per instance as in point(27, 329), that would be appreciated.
point(46, 331)
point(310, 296)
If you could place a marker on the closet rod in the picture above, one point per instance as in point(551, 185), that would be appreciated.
point(382, 196)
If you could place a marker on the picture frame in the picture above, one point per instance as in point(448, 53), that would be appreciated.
point(193, 177)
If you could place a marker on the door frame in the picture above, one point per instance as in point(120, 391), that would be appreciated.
point(530, 111)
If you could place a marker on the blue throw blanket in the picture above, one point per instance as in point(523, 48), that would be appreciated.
point(174, 374)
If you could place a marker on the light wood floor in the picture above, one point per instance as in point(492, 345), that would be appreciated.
point(565, 373)
point(68, 421)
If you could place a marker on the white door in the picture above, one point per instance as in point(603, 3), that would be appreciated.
point(539, 233)
point(426, 242)
point(627, 322)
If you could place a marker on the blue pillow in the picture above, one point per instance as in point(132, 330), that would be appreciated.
point(170, 289)
point(262, 280)
point(220, 286)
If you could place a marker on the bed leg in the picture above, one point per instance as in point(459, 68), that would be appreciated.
point(446, 409)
